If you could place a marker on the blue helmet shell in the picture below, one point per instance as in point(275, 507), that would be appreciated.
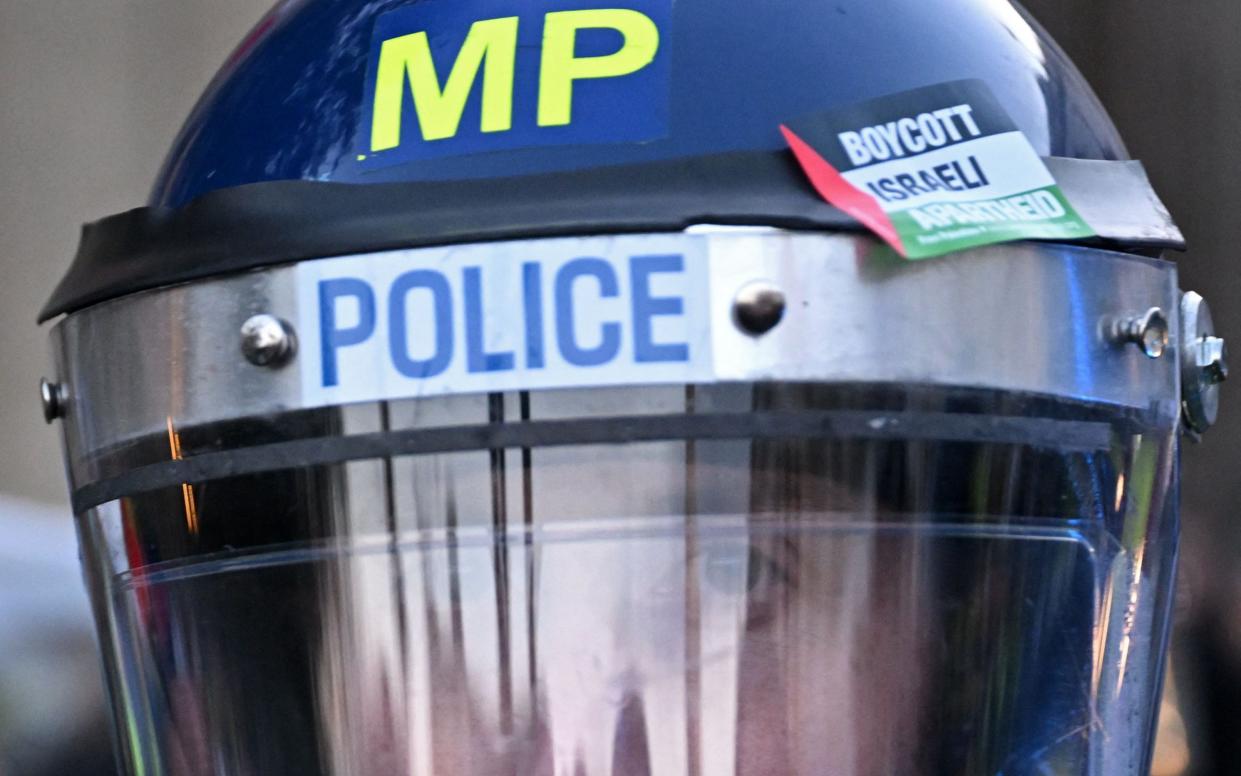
point(311, 142)
point(291, 103)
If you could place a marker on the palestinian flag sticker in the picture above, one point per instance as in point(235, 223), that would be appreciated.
point(934, 170)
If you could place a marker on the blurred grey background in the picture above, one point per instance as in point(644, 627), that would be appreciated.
point(91, 95)
point(92, 92)
point(1170, 74)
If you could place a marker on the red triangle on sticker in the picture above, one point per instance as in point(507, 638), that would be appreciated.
point(832, 186)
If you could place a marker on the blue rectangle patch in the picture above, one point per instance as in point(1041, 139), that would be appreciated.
point(449, 78)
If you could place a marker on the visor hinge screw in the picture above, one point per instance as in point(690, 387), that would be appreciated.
point(1204, 365)
point(758, 307)
point(1212, 359)
point(55, 399)
point(1149, 331)
point(267, 341)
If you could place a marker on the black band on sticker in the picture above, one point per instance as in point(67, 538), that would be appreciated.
point(907, 124)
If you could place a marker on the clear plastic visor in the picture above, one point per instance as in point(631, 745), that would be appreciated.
point(934, 582)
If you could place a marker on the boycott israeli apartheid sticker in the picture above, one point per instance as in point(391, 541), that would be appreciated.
point(934, 170)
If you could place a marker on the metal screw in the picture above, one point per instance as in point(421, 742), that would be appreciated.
point(267, 341)
point(1213, 359)
point(758, 307)
point(1204, 365)
point(55, 399)
point(1148, 331)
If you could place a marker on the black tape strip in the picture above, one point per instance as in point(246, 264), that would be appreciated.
point(265, 224)
point(1065, 436)
point(278, 222)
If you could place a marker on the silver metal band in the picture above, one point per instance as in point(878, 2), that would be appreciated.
point(1026, 318)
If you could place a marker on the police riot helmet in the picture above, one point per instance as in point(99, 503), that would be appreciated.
point(634, 387)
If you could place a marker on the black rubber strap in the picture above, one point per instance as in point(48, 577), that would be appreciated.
point(1064, 436)
point(266, 224)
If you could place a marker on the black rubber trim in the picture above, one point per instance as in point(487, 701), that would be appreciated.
point(266, 224)
point(1066, 436)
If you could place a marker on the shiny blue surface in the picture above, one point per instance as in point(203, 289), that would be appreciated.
point(629, 109)
point(289, 103)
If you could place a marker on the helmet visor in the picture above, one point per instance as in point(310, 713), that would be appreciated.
point(752, 579)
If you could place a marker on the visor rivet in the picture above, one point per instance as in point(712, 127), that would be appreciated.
point(1148, 331)
point(758, 307)
point(54, 399)
point(267, 341)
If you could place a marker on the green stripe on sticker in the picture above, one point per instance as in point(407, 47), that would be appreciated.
point(1042, 214)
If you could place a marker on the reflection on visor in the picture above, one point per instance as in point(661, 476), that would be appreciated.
point(779, 648)
point(798, 606)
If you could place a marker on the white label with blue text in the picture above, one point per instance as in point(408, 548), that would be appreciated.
point(629, 310)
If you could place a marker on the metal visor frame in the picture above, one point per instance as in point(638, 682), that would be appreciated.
point(1031, 319)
